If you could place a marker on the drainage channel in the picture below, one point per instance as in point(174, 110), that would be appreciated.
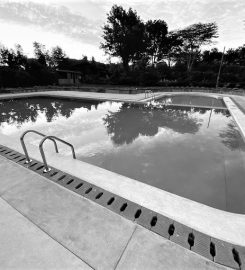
point(211, 248)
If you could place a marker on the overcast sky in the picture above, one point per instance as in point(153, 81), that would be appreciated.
point(75, 25)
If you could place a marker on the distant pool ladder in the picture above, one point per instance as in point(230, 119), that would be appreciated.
point(49, 137)
point(150, 94)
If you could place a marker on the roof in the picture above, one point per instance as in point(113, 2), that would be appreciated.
point(70, 71)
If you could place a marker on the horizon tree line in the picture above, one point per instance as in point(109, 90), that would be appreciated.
point(150, 54)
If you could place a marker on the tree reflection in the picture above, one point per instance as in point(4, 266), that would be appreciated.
point(132, 120)
point(231, 137)
point(18, 112)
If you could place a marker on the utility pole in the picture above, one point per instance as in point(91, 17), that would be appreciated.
point(221, 63)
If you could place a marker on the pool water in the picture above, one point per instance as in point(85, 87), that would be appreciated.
point(192, 100)
point(196, 153)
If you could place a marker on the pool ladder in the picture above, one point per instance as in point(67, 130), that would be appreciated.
point(49, 137)
point(150, 94)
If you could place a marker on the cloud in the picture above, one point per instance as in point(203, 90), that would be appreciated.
point(57, 19)
point(76, 24)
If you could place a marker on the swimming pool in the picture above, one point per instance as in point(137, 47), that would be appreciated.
point(196, 153)
point(192, 100)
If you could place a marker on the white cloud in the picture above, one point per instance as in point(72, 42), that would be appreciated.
point(76, 24)
point(25, 36)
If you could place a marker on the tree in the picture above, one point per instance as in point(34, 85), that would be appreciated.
point(20, 58)
point(124, 35)
point(6, 56)
point(13, 58)
point(156, 32)
point(236, 56)
point(241, 55)
point(193, 38)
point(41, 54)
point(212, 57)
point(56, 57)
point(172, 47)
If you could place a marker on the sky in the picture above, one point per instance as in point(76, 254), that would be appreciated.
point(76, 25)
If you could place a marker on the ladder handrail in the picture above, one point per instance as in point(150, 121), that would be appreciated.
point(47, 169)
point(151, 94)
point(28, 160)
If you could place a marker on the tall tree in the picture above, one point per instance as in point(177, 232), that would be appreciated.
point(14, 58)
point(156, 32)
point(236, 56)
point(123, 35)
point(194, 37)
point(41, 54)
point(57, 57)
point(172, 47)
point(212, 56)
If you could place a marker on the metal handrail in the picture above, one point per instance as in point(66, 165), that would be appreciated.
point(47, 169)
point(28, 160)
point(151, 93)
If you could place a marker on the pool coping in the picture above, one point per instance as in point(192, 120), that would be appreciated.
point(223, 225)
point(237, 114)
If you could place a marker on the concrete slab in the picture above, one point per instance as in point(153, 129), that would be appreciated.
point(237, 114)
point(240, 101)
point(6, 181)
point(149, 251)
point(90, 231)
point(25, 246)
point(79, 95)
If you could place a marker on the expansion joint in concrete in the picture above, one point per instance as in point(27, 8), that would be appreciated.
point(26, 217)
point(130, 238)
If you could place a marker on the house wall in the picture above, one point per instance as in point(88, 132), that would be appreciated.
point(69, 79)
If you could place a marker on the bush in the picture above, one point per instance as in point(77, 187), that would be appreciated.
point(149, 78)
point(22, 79)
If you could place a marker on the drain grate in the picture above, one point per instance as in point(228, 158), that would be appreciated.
point(213, 249)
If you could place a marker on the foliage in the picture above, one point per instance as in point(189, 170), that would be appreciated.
point(14, 58)
point(193, 38)
point(124, 35)
point(176, 57)
point(56, 57)
point(41, 54)
point(172, 47)
point(156, 32)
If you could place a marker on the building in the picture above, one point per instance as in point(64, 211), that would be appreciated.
point(69, 77)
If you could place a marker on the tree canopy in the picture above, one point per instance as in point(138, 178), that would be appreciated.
point(123, 35)
point(156, 32)
point(40, 53)
point(14, 58)
point(56, 57)
point(150, 56)
point(194, 37)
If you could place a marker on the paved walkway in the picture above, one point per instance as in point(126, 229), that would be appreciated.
point(240, 101)
point(80, 95)
point(100, 96)
point(25, 246)
point(44, 226)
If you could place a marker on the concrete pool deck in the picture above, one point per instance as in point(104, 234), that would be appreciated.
point(17, 191)
point(44, 226)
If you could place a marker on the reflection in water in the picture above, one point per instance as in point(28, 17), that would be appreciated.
point(196, 153)
point(131, 121)
point(18, 112)
point(230, 136)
